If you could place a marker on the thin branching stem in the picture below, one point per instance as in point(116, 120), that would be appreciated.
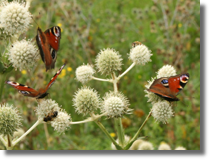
point(126, 71)
point(100, 79)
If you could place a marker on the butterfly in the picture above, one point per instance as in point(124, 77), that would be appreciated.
point(169, 87)
point(30, 92)
point(48, 44)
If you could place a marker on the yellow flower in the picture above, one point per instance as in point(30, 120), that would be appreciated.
point(45, 82)
point(179, 25)
point(188, 46)
point(23, 72)
point(112, 135)
point(59, 24)
point(126, 77)
point(63, 73)
point(98, 20)
point(139, 76)
point(69, 69)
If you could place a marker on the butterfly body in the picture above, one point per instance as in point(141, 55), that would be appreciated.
point(48, 43)
point(30, 92)
point(169, 87)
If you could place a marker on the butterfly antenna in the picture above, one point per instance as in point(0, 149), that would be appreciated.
point(35, 21)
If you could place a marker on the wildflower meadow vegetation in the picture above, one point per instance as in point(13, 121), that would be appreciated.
point(111, 52)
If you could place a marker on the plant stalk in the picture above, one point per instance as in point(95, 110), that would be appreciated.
point(137, 133)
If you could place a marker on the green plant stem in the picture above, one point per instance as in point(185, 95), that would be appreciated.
point(2, 82)
point(108, 135)
point(126, 71)
point(118, 121)
point(3, 140)
point(92, 118)
point(137, 133)
point(120, 131)
point(100, 79)
point(27, 132)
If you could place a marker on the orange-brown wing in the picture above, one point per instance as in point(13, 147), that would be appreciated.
point(44, 48)
point(177, 83)
point(53, 36)
point(54, 78)
point(162, 90)
point(23, 89)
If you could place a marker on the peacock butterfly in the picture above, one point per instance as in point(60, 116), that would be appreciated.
point(30, 92)
point(48, 44)
point(169, 87)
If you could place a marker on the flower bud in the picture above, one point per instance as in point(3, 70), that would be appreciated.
point(61, 122)
point(23, 55)
point(14, 17)
point(84, 73)
point(166, 71)
point(115, 105)
point(9, 119)
point(86, 100)
point(140, 54)
point(164, 146)
point(146, 146)
point(108, 61)
point(162, 111)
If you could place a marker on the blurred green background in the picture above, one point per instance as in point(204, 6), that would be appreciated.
point(170, 29)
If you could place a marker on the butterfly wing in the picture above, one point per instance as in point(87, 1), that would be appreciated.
point(23, 89)
point(169, 87)
point(54, 78)
point(177, 83)
point(53, 36)
point(162, 90)
point(44, 48)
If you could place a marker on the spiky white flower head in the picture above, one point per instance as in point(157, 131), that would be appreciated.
point(14, 17)
point(115, 105)
point(166, 71)
point(108, 61)
point(84, 73)
point(23, 55)
point(86, 100)
point(140, 54)
point(164, 146)
point(61, 122)
point(45, 107)
point(9, 119)
point(146, 146)
point(162, 111)
point(153, 98)
point(127, 139)
point(180, 148)
point(136, 144)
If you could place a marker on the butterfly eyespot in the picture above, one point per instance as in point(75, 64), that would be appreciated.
point(24, 92)
point(184, 78)
point(165, 82)
point(56, 31)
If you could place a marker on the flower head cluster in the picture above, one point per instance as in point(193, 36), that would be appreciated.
point(162, 111)
point(9, 119)
point(61, 122)
point(108, 61)
point(166, 71)
point(164, 146)
point(140, 54)
point(86, 100)
point(14, 17)
point(84, 73)
point(23, 55)
point(180, 148)
point(115, 105)
point(146, 146)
